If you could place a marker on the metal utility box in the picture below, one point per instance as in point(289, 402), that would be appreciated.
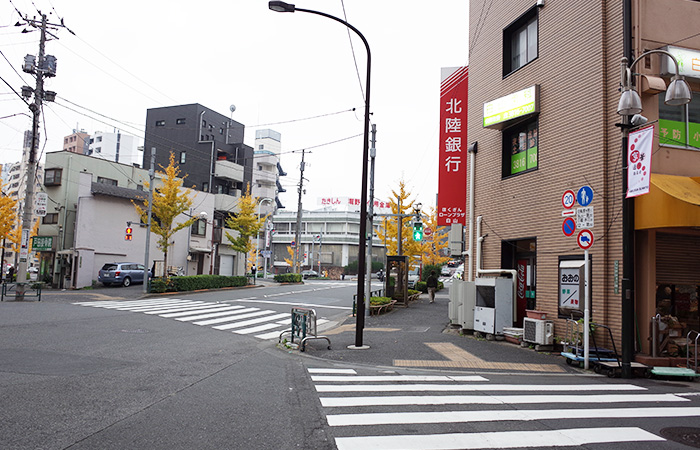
point(494, 305)
point(462, 303)
point(538, 331)
point(572, 286)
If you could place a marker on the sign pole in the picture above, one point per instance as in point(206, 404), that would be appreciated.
point(586, 311)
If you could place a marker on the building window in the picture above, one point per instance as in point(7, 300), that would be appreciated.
point(183, 157)
point(160, 123)
point(107, 181)
point(204, 123)
point(520, 148)
point(139, 187)
point(199, 228)
point(98, 138)
point(674, 121)
point(221, 131)
point(65, 140)
point(97, 149)
point(205, 186)
point(180, 121)
point(52, 177)
point(50, 218)
point(261, 147)
point(520, 42)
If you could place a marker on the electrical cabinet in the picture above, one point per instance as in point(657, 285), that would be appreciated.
point(493, 309)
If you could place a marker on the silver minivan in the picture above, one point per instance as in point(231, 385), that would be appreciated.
point(123, 273)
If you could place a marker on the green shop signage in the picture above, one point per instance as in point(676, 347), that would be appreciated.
point(42, 243)
point(512, 106)
point(672, 132)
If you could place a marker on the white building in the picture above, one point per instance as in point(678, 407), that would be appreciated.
point(117, 147)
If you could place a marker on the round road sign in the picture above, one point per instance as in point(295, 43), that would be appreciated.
point(428, 231)
point(568, 199)
point(568, 227)
point(585, 196)
point(585, 239)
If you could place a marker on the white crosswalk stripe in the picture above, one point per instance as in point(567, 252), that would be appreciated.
point(219, 316)
point(435, 409)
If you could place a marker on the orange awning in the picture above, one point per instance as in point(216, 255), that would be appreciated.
point(672, 201)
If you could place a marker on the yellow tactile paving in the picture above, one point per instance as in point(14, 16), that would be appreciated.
point(459, 358)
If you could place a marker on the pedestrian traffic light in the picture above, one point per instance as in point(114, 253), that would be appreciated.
point(418, 231)
point(128, 236)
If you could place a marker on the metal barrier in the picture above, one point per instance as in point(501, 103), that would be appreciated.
point(32, 289)
point(304, 328)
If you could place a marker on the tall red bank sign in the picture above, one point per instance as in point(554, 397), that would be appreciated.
point(452, 184)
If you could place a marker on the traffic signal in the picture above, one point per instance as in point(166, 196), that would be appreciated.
point(128, 236)
point(418, 231)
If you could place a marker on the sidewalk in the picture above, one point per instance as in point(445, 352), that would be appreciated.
point(420, 337)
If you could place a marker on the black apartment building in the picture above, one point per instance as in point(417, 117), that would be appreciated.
point(208, 147)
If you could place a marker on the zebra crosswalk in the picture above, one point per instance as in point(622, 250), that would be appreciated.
point(263, 324)
point(415, 412)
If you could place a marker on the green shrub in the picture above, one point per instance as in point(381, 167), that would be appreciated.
point(159, 285)
point(288, 278)
point(376, 301)
point(413, 292)
point(195, 282)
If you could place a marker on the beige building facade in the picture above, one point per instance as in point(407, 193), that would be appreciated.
point(559, 63)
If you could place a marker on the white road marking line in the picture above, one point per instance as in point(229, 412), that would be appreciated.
point(400, 400)
point(394, 418)
point(234, 315)
point(477, 387)
point(396, 378)
point(212, 309)
point(259, 328)
point(338, 371)
point(307, 305)
point(271, 335)
point(228, 312)
point(245, 323)
point(500, 439)
point(176, 308)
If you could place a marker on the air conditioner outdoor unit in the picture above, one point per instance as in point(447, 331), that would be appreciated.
point(538, 331)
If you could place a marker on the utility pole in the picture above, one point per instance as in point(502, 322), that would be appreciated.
point(297, 247)
point(45, 66)
point(370, 217)
point(151, 177)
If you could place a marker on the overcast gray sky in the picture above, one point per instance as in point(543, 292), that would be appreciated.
point(276, 68)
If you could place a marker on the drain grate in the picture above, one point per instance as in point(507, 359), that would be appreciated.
point(689, 436)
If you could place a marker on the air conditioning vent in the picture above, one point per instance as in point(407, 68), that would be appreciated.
point(538, 331)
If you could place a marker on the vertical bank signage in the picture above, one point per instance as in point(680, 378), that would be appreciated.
point(452, 184)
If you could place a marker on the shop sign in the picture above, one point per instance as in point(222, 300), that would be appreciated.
point(512, 106)
point(42, 243)
point(688, 62)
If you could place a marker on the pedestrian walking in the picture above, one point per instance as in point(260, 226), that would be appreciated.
point(432, 284)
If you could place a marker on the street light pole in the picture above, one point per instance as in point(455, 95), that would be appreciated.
point(257, 238)
point(678, 93)
point(361, 257)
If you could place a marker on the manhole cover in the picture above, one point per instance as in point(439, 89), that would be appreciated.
point(137, 331)
point(685, 435)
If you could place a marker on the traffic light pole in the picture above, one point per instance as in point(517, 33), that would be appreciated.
point(151, 177)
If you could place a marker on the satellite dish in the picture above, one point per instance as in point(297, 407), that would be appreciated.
point(232, 108)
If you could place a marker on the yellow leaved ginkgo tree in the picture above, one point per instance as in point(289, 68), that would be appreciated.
point(433, 253)
point(246, 222)
point(169, 201)
point(8, 215)
point(388, 229)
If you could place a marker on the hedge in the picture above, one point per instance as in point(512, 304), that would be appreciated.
point(423, 286)
point(195, 282)
point(288, 278)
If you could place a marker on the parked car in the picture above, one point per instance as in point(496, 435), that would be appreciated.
point(413, 277)
point(445, 271)
point(309, 274)
point(123, 273)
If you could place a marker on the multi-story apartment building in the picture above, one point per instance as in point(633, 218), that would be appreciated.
point(117, 147)
point(78, 142)
point(267, 169)
point(544, 86)
point(208, 149)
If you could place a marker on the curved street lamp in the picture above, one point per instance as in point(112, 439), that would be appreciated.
point(678, 93)
point(362, 256)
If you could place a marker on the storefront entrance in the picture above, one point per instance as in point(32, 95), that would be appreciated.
point(521, 255)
